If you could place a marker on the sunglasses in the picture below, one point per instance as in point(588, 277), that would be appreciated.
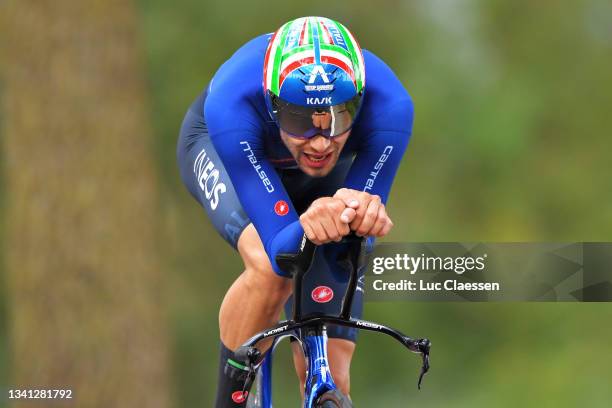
point(307, 122)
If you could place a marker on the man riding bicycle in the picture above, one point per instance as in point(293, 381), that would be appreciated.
point(311, 150)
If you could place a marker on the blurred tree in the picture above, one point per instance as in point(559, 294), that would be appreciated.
point(83, 274)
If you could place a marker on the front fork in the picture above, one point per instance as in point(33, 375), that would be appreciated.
point(318, 376)
point(264, 386)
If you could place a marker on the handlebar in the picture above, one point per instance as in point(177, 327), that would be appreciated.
point(297, 265)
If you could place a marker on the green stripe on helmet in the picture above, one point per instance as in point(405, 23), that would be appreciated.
point(296, 50)
point(335, 40)
point(335, 48)
point(278, 56)
point(353, 50)
point(310, 34)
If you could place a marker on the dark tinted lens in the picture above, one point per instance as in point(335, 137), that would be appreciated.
point(307, 122)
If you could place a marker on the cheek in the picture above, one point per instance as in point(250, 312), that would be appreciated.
point(341, 140)
point(340, 144)
point(298, 145)
point(287, 141)
point(294, 147)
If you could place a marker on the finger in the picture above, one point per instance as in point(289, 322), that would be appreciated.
point(387, 228)
point(348, 197)
point(348, 215)
point(330, 220)
point(369, 217)
point(330, 227)
point(344, 230)
point(343, 221)
point(319, 233)
point(359, 214)
point(380, 223)
point(341, 216)
point(311, 221)
point(364, 201)
point(308, 229)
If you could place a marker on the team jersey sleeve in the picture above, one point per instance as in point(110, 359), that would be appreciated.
point(257, 184)
point(384, 129)
point(380, 152)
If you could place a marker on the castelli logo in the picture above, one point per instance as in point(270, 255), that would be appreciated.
point(239, 397)
point(281, 208)
point(322, 294)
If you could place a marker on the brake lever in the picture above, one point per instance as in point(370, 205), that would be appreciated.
point(424, 368)
point(251, 356)
point(422, 347)
point(248, 382)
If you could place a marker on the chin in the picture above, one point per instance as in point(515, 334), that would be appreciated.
point(314, 172)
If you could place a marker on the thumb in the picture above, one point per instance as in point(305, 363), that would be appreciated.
point(350, 202)
point(348, 215)
point(347, 198)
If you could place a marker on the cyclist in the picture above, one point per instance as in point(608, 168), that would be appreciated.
point(311, 150)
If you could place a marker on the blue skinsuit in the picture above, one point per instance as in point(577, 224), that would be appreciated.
point(234, 163)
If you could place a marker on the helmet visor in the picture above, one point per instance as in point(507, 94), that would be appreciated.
point(306, 122)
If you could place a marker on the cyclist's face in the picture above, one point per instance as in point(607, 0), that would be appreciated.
point(318, 155)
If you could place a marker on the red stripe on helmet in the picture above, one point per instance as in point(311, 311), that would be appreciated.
point(331, 39)
point(265, 70)
point(303, 33)
point(339, 63)
point(292, 67)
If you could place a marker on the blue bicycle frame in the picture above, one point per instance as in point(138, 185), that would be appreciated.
point(318, 378)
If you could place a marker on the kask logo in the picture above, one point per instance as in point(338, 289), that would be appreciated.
point(319, 101)
point(281, 208)
point(322, 294)
point(239, 397)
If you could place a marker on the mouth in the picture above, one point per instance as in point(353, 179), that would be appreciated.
point(316, 160)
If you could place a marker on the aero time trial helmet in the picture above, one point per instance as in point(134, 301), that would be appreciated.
point(314, 77)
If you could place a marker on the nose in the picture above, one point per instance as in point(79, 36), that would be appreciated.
point(319, 143)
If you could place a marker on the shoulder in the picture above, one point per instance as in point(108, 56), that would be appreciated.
point(234, 95)
point(382, 82)
point(387, 105)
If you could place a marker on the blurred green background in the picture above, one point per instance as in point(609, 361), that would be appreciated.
point(511, 142)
